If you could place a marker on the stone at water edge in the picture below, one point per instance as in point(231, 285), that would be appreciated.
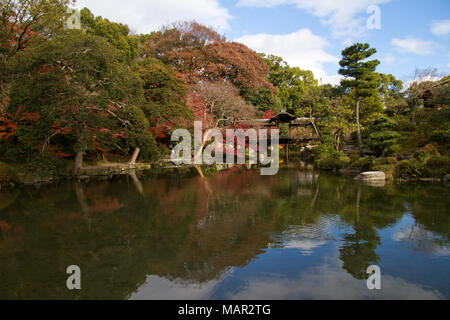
point(447, 178)
point(372, 176)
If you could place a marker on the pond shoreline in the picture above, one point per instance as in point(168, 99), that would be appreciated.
point(107, 171)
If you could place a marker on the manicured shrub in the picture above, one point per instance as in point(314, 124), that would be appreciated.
point(363, 164)
point(332, 163)
point(409, 169)
point(402, 170)
point(438, 166)
point(328, 159)
point(8, 176)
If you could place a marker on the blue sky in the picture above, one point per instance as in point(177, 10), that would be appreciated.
point(308, 33)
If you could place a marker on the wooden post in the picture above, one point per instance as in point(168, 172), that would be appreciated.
point(287, 154)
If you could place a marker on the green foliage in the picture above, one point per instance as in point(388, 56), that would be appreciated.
point(295, 86)
point(390, 90)
point(328, 159)
point(335, 120)
point(437, 166)
point(165, 96)
point(8, 176)
point(264, 100)
point(115, 33)
point(383, 139)
point(72, 90)
point(360, 74)
point(363, 164)
point(46, 164)
point(405, 125)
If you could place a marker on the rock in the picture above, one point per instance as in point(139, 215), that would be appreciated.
point(446, 178)
point(432, 180)
point(374, 183)
point(372, 176)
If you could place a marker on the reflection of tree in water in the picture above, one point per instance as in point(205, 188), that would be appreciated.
point(358, 250)
point(418, 239)
point(192, 230)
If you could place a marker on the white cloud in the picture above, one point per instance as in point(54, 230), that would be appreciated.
point(300, 49)
point(440, 27)
point(330, 282)
point(413, 45)
point(389, 58)
point(345, 17)
point(149, 15)
point(158, 288)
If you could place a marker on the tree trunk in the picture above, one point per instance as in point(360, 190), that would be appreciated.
point(134, 156)
point(358, 123)
point(78, 162)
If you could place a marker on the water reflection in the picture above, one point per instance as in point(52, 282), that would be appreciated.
point(235, 235)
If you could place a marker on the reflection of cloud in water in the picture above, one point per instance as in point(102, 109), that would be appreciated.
point(308, 237)
point(306, 246)
point(325, 282)
point(328, 282)
point(417, 238)
point(158, 288)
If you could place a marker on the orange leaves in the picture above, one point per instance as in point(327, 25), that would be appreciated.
point(4, 226)
point(8, 128)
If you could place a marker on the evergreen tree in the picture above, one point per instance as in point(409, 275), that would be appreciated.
point(360, 76)
point(74, 91)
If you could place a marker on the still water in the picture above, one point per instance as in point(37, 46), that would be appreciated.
point(297, 235)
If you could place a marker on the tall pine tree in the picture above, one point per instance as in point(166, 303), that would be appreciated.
point(360, 76)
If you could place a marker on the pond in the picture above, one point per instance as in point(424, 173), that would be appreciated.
point(296, 235)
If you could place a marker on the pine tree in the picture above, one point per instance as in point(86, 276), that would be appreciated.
point(360, 76)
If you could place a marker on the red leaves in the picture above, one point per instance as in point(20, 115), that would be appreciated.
point(120, 135)
point(61, 130)
point(64, 155)
point(8, 128)
point(45, 68)
point(269, 114)
point(99, 148)
point(30, 116)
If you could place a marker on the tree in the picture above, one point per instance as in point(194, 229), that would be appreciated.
point(72, 90)
point(225, 103)
point(360, 77)
point(165, 99)
point(236, 63)
point(181, 45)
point(417, 91)
point(390, 90)
point(383, 136)
point(295, 86)
point(21, 21)
point(117, 34)
point(335, 120)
